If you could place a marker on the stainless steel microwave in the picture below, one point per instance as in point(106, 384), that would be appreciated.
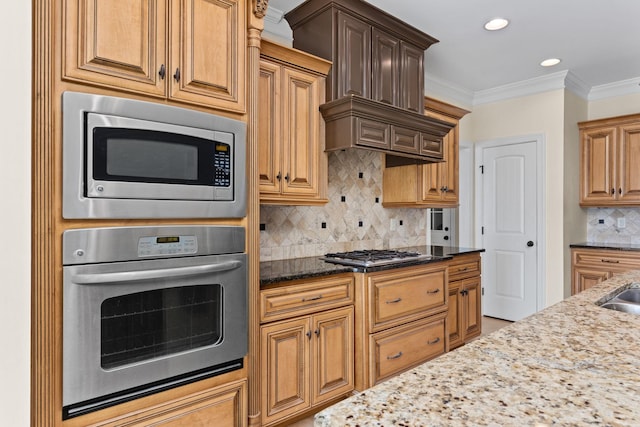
point(124, 158)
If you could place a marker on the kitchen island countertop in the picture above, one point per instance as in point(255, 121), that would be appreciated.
point(574, 363)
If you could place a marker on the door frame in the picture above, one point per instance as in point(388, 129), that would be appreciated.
point(541, 183)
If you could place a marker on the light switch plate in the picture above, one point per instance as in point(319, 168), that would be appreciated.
point(622, 223)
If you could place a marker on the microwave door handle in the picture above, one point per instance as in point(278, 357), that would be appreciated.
point(132, 276)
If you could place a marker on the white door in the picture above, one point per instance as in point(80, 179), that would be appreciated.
point(509, 228)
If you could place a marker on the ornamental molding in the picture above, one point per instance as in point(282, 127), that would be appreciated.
point(260, 8)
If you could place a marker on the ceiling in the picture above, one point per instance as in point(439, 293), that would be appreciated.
point(598, 41)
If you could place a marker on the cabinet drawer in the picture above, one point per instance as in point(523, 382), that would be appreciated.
point(404, 347)
point(615, 261)
point(372, 133)
point(464, 266)
point(404, 295)
point(404, 139)
point(306, 297)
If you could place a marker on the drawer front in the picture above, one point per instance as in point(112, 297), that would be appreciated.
point(372, 134)
point(403, 296)
point(306, 297)
point(464, 266)
point(403, 139)
point(616, 261)
point(404, 347)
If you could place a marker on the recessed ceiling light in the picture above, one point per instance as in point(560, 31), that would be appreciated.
point(496, 24)
point(550, 62)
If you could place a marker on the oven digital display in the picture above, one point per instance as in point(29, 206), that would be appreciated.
point(151, 246)
point(168, 239)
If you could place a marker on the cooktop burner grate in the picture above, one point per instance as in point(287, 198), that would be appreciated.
point(374, 257)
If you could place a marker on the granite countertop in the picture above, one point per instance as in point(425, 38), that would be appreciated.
point(574, 363)
point(303, 268)
point(611, 246)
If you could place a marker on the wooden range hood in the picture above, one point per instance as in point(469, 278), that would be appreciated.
point(375, 89)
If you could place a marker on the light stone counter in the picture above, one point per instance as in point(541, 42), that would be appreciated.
point(573, 364)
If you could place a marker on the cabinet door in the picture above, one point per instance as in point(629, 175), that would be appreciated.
point(352, 63)
point(333, 354)
point(285, 364)
point(270, 128)
point(301, 134)
point(116, 43)
point(472, 309)
point(449, 169)
point(584, 278)
point(598, 186)
point(385, 63)
point(208, 53)
point(454, 316)
point(629, 162)
point(411, 78)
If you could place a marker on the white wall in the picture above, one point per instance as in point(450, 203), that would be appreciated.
point(15, 214)
point(529, 115)
point(616, 106)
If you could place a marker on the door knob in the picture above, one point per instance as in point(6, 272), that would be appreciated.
point(530, 243)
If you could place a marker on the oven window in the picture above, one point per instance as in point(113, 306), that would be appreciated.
point(150, 324)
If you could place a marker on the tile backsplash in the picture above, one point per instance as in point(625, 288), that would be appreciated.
point(613, 225)
point(352, 219)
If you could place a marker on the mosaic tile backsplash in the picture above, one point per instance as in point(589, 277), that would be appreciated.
point(353, 219)
point(613, 225)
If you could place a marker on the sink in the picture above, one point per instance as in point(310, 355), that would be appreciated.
point(621, 306)
point(630, 295)
point(627, 301)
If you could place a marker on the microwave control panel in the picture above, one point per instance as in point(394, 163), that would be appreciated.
point(167, 245)
point(222, 165)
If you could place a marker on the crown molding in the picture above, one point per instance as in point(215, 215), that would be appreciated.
point(444, 90)
point(620, 88)
point(528, 87)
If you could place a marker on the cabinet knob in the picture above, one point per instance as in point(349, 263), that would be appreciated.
point(286, 177)
point(308, 334)
point(613, 191)
point(162, 72)
point(279, 176)
point(176, 75)
point(317, 332)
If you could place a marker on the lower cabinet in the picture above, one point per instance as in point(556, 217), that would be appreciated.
point(592, 266)
point(222, 406)
point(465, 297)
point(309, 359)
point(403, 320)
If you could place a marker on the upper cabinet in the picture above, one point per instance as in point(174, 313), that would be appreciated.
point(191, 51)
point(292, 161)
point(432, 184)
point(610, 153)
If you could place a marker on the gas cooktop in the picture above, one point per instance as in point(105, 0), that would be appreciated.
point(374, 257)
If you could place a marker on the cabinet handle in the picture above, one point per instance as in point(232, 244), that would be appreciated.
point(317, 332)
point(279, 176)
point(613, 191)
point(162, 72)
point(463, 269)
point(286, 177)
point(610, 261)
point(395, 356)
point(446, 189)
point(177, 75)
point(437, 340)
point(308, 334)
point(435, 291)
point(620, 190)
point(464, 292)
point(317, 297)
point(394, 301)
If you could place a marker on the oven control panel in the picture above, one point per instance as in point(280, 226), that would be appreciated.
point(167, 245)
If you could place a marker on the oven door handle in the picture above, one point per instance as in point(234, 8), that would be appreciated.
point(133, 276)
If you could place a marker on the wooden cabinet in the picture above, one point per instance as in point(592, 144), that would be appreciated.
point(428, 185)
point(307, 358)
point(191, 51)
point(465, 298)
point(403, 318)
point(224, 406)
point(374, 55)
point(610, 153)
point(292, 162)
point(592, 266)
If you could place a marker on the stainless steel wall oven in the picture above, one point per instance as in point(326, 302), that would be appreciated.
point(150, 308)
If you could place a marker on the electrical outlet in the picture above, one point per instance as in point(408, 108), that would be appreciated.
point(622, 223)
